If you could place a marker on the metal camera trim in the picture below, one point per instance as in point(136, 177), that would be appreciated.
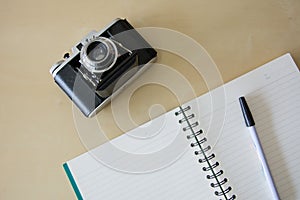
point(60, 64)
point(92, 65)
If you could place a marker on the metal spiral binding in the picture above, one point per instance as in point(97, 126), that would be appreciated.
point(212, 166)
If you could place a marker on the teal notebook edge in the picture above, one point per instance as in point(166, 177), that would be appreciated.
point(72, 181)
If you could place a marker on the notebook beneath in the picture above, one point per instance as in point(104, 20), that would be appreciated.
point(172, 165)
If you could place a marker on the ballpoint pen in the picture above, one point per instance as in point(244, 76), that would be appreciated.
point(251, 126)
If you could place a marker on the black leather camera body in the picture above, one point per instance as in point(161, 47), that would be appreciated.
point(101, 64)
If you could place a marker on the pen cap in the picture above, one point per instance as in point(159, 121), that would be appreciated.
point(246, 112)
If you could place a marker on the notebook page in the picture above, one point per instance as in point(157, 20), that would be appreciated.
point(99, 179)
point(179, 180)
point(276, 110)
point(184, 178)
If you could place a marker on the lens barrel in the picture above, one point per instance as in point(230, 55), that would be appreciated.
point(99, 55)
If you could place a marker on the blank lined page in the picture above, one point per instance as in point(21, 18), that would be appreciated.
point(182, 179)
point(273, 94)
point(113, 177)
point(275, 106)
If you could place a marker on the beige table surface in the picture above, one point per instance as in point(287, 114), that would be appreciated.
point(36, 122)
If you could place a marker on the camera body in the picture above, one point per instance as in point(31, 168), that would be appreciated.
point(102, 64)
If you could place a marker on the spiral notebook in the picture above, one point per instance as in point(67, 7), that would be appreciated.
point(205, 148)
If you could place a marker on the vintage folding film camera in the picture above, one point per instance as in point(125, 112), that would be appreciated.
point(101, 64)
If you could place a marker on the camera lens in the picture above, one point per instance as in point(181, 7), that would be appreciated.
point(99, 55)
point(97, 51)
